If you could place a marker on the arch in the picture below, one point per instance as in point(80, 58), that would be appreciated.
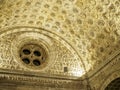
point(110, 78)
point(114, 85)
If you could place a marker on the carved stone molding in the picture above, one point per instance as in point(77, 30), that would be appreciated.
point(40, 81)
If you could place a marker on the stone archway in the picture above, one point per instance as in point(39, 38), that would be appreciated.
point(114, 85)
point(114, 76)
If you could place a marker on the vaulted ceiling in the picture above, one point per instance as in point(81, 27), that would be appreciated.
point(82, 35)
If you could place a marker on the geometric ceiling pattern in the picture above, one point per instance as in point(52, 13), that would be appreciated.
point(87, 32)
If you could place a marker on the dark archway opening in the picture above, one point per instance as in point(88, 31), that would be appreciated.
point(114, 85)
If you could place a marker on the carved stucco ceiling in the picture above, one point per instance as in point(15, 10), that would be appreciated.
point(82, 34)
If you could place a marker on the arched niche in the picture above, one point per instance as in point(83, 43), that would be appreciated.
point(110, 79)
point(114, 85)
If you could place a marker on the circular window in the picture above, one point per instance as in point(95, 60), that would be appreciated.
point(26, 51)
point(33, 55)
point(37, 53)
point(36, 62)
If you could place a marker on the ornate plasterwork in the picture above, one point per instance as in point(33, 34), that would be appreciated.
point(58, 50)
point(82, 34)
point(111, 77)
point(52, 74)
point(106, 74)
point(90, 26)
point(22, 79)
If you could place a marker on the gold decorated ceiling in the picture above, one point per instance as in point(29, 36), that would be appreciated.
point(82, 34)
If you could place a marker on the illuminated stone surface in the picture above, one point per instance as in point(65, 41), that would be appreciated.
point(81, 38)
